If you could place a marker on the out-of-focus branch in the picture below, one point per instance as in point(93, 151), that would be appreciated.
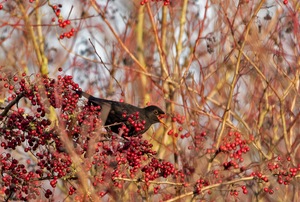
point(181, 31)
point(158, 44)
point(78, 163)
point(235, 76)
point(281, 100)
point(36, 38)
point(143, 68)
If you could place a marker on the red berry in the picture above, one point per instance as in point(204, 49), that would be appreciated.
point(170, 132)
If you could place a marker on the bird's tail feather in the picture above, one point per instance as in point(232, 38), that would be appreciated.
point(84, 94)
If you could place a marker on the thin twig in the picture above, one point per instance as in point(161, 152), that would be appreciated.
point(106, 66)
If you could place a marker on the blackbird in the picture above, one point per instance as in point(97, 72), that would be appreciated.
point(116, 115)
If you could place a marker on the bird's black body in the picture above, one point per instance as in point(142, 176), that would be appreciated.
point(116, 114)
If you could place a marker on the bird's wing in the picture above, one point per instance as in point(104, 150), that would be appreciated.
point(104, 104)
point(105, 109)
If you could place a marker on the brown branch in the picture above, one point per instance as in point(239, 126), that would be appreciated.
point(211, 187)
point(11, 104)
point(150, 181)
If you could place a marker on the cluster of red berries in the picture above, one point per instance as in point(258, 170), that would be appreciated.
point(30, 129)
point(62, 23)
point(200, 183)
point(56, 9)
point(260, 176)
point(133, 120)
point(284, 171)
point(235, 192)
point(280, 168)
point(88, 119)
point(198, 143)
point(158, 168)
point(235, 147)
point(68, 34)
point(15, 178)
point(180, 120)
point(132, 156)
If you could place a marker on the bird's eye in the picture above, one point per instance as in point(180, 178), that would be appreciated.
point(155, 112)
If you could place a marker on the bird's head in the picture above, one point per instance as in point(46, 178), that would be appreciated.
point(154, 114)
